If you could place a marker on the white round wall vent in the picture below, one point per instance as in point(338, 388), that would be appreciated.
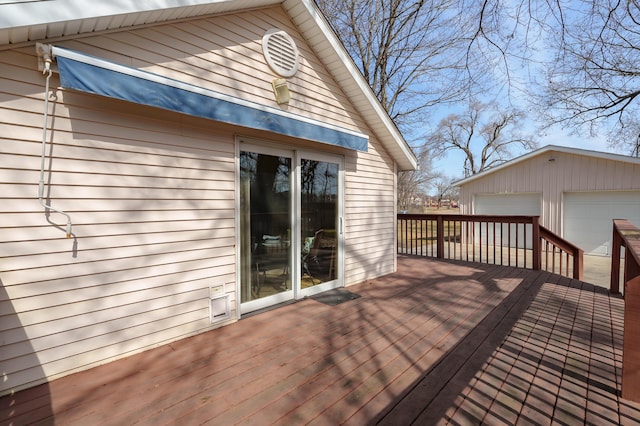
point(281, 52)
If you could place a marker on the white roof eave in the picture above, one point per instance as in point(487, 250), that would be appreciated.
point(33, 13)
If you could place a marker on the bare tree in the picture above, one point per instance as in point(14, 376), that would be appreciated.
point(410, 52)
point(484, 135)
point(412, 185)
point(586, 52)
point(413, 55)
point(444, 189)
point(593, 79)
point(582, 55)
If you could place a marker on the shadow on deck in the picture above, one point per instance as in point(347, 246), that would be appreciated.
point(438, 342)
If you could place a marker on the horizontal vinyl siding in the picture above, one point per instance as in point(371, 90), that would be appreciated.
point(369, 215)
point(224, 54)
point(152, 198)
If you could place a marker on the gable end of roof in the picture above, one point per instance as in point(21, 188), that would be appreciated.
point(548, 149)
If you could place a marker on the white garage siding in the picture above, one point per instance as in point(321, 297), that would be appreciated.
point(588, 217)
point(553, 171)
point(508, 204)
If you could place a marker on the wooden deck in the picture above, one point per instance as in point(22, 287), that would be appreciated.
point(438, 342)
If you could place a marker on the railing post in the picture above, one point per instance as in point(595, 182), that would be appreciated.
point(578, 265)
point(631, 339)
point(536, 247)
point(628, 236)
point(440, 237)
point(616, 245)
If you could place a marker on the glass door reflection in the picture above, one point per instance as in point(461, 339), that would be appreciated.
point(265, 226)
point(319, 222)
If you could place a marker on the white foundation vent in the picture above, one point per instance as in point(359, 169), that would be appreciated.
point(281, 52)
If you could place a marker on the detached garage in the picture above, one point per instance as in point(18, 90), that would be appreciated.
point(576, 192)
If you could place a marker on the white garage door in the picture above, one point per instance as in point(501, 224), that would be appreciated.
point(588, 217)
point(527, 204)
point(508, 204)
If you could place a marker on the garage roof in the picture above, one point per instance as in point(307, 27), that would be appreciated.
point(25, 22)
point(547, 149)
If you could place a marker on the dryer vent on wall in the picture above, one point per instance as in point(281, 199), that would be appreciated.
point(218, 304)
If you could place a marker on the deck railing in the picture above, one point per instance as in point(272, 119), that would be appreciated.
point(628, 236)
point(517, 241)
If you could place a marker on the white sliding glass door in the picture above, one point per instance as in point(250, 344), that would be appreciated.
point(290, 224)
point(319, 192)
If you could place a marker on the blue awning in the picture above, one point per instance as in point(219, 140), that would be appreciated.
point(86, 73)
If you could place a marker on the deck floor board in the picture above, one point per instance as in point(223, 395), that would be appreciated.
point(438, 342)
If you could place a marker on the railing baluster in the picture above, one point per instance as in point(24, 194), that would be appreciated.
point(434, 238)
point(409, 237)
point(399, 231)
point(445, 236)
point(466, 239)
point(407, 241)
point(452, 238)
point(509, 244)
point(414, 242)
point(486, 242)
point(430, 236)
point(419, 239)
point(473, 246)
point(481, 240)
point(445, 233)
point(561, 260)
point(455, 239)
point(525, 245)
point(426, 236)
point(401, 234)
point(494, 245)
point(517, 245)
point(546, 255)
point(415, 231)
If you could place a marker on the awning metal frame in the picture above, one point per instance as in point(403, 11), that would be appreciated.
point(90, 74)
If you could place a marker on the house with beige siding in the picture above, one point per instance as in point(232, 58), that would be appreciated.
point(167, 167)
point(576, 192)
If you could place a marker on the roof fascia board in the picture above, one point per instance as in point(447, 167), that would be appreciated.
point(550, 148)
point(596, 154)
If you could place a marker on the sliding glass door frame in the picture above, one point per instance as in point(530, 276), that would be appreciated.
point(338, 281)
point(246, 266)
point(296, 247)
